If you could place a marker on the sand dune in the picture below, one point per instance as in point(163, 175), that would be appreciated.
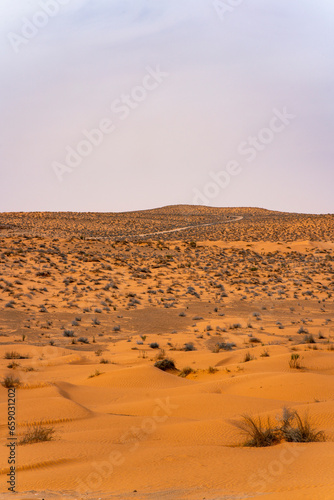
point(85, 318)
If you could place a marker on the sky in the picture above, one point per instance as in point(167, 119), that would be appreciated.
point(118, 105)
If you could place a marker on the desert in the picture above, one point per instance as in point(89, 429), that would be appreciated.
point(137, 344)
point(166, 250)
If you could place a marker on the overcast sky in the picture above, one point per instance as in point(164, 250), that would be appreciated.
point(225, 103)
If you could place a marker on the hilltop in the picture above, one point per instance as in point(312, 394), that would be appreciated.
point(201, 223)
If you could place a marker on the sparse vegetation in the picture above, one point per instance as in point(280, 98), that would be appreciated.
point(254, 340)
point(186, 371)
point(95, 374)
point(37, 434)
point(223, 346)
point(13, 365)
point(154, 298)
point(248, 357)
point(69, 333)
point(189, 346)
point(259, 433)
point(295, 361)
point(298, 429)
point(165, 364)
point(104, 361)
point(212, 370)
point(154, 345)
point(15, 355)
point(10, 381)
point(83, 340)
point(291, 428)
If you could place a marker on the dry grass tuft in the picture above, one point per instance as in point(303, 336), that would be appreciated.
point(259, 434)
point(37, 434)
point(10, 382)
point(292, 428)
point(295, 361)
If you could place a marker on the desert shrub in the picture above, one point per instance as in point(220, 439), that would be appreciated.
point(83, 340)
point(211, 369)
point(309, 339)
point(10, 382)
point(297, 429)
point(104, 361)
point(302, 330)
point(265, 354)
point(223, 346)
point(189, 346)
point(15, 355)
point(95, 374)
point(186, 371)
point(165, 364)
point(13, 365)
point(154, 345)
point(258, 434)
point(161, 355)
point(248, 357)
point(295, 361)
point(37, 434)
point(254, 340)
point(291, 428)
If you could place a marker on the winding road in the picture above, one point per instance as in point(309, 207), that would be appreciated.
point(181, 228)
